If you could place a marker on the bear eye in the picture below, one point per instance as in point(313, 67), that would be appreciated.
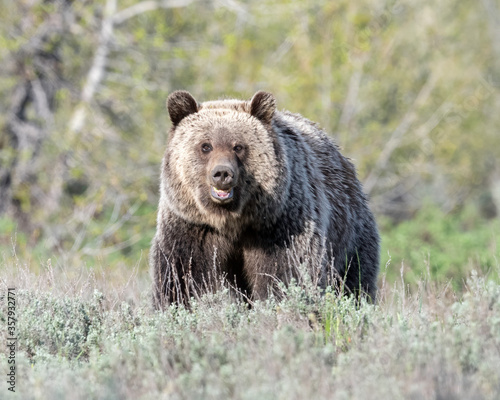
point(205, 148)
point(238, 148)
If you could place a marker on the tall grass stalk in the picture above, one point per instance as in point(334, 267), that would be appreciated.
point(90, 334)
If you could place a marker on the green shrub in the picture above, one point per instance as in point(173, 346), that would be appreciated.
point(443, 246)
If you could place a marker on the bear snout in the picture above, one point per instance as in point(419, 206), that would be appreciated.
point(222, 177)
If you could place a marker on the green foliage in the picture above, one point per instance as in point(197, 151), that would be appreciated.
point(441, 247)
point(357, 68)
point(303, 346)
point(62, 327)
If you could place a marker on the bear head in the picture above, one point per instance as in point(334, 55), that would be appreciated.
point(224, 162)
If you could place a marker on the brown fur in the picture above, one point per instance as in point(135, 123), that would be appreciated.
point(295, 201)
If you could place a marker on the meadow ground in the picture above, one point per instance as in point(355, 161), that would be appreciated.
point(91, 334)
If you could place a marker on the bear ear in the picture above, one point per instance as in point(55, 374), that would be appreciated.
point(262, 106)
point(180, 104)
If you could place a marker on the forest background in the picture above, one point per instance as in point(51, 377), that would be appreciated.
point(409, 89)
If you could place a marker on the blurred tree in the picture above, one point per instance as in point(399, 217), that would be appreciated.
point(410, 91)
point(35, 65)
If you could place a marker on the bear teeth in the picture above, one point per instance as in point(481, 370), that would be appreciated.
point(222, 194)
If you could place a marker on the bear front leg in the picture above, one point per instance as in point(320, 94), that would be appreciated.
point(269, 262)
point(182, 262)
point(170, 280)
point(260, 269)
point(267, 269)
point(179, 256)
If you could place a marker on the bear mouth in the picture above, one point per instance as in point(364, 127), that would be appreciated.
point(221, 194)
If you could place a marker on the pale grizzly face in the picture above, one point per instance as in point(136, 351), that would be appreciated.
point(221, 157)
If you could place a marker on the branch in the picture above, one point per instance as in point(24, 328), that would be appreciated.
point(426, 128)
point(398, 133)
point(151, 5)
point(96, 72)
point(41, 101)
point(145, 6)
point(349, 108)
point(493, 26)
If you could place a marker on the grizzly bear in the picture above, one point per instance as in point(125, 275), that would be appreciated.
point(255, 195)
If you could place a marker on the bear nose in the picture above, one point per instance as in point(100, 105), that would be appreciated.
point(222, 176)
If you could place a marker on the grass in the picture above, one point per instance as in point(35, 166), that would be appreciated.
point(83, 334)
point(442, 247)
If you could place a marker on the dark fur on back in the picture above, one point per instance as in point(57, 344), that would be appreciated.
point(294, 200)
